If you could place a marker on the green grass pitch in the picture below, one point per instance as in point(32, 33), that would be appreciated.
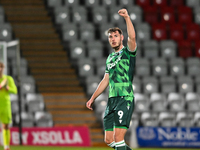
point(82, 148)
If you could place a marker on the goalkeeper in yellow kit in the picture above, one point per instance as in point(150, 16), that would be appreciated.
point(7, 86)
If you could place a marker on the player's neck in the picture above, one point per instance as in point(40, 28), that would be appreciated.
point(120, 48)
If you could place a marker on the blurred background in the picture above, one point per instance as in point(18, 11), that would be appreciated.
point(63, 48)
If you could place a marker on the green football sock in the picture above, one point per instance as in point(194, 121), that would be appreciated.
point(120, 145)
point(6, 137)
point(112, 145)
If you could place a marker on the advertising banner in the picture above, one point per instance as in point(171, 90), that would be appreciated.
point(168, 137)
point(56, 136)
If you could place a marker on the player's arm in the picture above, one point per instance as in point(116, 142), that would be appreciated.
point(101, 87)
point(130, 29)
point(3, 83)
point(11, 87)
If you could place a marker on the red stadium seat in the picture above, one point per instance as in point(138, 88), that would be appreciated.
point(151, 15)
point(197, 48)
point(184, 14)
point(193, 32)
point(159, 31)
point(143, 3)
point(176, 3)
point(176, 32)
point(160, 3)
point(185, 49)
point(168, 15)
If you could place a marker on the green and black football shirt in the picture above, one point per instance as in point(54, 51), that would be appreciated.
point(120, 66)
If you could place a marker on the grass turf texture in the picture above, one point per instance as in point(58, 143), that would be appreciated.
point(83, 148)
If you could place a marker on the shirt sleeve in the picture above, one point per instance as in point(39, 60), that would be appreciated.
point(132, 53)
point(12, 86)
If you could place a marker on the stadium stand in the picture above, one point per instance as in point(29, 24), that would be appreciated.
point(167, 84)
point(185, 119)
point(143, 3)
point(143, 31)
point(177, 66)
point(54, 3)
point(159, 31)
point(137, 87)
point(193, 66)
point(62, 14)
point(100, 105)
point(5, 32)
point(28, 84)
point(26, 118)
point(142, 67)
point(43, 119)
point(196, 14)
point(91, 83)
point(192, 101)
point(100, 66)
point(35, 102)
point(151, 14)
point(159, 67)
point(135, 13)
point(149, 119)
point(151, 49)
point(100, 15)
point(150, 84)
point(95, 49)
point(167, 119)
point(71, 3)
point(185, 84)
point(176, 102)
point(142, 103)
point(168, 49)
point(196, 119)
point(167, 15)
point(69, 31)
point(158, 102)
point(48, 61)
point(168, 44)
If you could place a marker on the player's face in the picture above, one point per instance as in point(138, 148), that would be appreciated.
point(115, 40)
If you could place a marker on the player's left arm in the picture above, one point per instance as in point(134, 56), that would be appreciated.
point(11, 87)
point(130, 29)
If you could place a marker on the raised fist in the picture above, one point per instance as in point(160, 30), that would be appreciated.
point(123, 13)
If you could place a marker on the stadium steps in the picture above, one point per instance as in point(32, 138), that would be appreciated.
point(60, 58)
point(40, 47)
point(53, 77)
point(54, 71)
point(37, 35)
point(22, 2)
point(34, 18)
point(49, 64)
point(69, 109)
point(59, 83)
point(44, 53)
point(40, 41)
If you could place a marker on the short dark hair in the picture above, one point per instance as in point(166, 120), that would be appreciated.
point(114, 29)
point(2, 64)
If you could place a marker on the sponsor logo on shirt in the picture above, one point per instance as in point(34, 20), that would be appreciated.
point(111, 65)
